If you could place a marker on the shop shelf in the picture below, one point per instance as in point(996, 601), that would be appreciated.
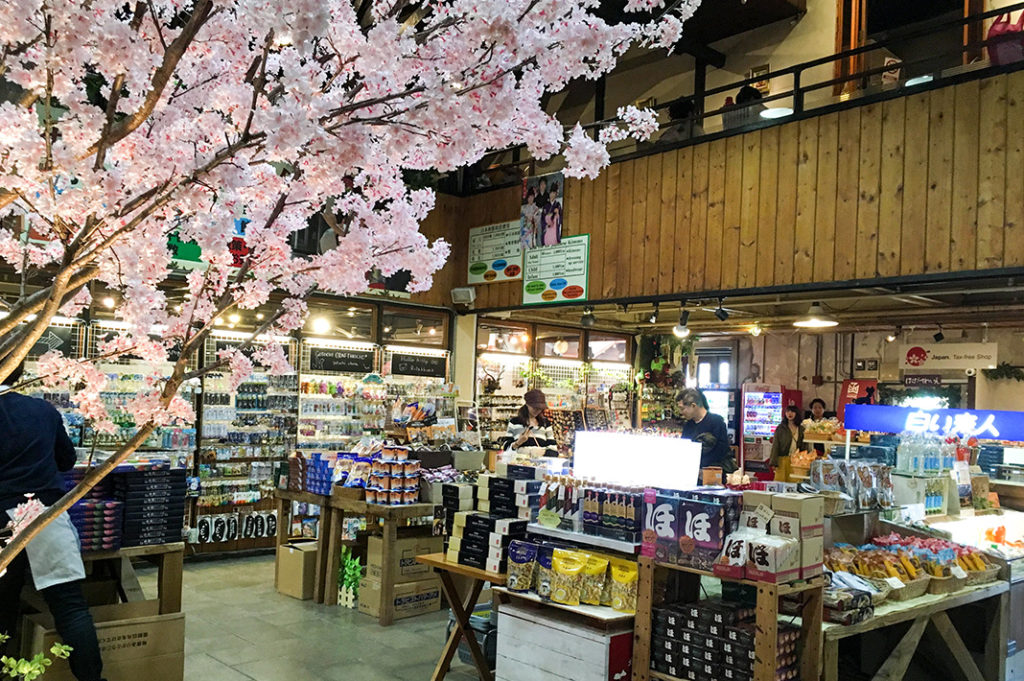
point(595, 612)
point(587, 539)
point(783, 589)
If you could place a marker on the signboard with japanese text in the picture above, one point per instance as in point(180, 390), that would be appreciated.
point(979, 423)
point(859, 391)
point(557, 273)
point(930, 356)
point(495, 253)
point(922, 380)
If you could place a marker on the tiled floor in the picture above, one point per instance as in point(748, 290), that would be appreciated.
point(237, 628)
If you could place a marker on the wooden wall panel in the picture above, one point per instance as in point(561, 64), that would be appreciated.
point(928, 183)
point(963, 243)
point(785, 213)
point(806, 201)
point(848, 158)
point(992, 173)
point(890, 200)
point(868, 182)
point(1014, 231)
point(940, 180)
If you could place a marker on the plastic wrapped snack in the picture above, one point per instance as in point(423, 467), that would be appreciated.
point(542, 574)
point(624, 581)
point(595, 575)
point(360, 473)
point(522, 561)
point(567, 576)
point(865, 476)
point(885, 493)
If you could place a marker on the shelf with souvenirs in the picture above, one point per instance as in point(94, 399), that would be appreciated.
point(502, 380)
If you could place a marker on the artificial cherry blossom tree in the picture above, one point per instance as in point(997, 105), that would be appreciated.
point(124, 123)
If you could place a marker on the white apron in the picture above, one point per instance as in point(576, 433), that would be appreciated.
point(55, 554)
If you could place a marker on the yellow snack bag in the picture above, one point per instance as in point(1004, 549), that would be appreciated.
point(624, 584)
point(567, 576)
point(595, 575)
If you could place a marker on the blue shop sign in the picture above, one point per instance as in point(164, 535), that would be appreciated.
point(980, 423)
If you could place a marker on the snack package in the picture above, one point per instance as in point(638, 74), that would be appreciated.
point(624, 584)
point(866, 485)
point(567, 576)
point(595, 575)
point(542, 574)
point(522, 562)
point(360, 473)
point(885, 493)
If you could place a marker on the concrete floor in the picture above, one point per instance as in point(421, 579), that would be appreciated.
point(238, 628)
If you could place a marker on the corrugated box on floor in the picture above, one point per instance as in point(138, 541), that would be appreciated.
point(135, 642)
point(410, 598)
point(296, 568)
point(403, 553)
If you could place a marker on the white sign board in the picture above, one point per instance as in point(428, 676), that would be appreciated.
point(949, 356)
point(650, 460)
point(553, 274)
point(495, 253)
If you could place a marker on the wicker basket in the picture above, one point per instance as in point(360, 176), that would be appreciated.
point(835, 502)
point(912, 589)
point(989, 574)
point(946, 585)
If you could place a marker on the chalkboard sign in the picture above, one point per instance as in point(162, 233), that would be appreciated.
point(54, 338)
point(419, 365)
point(341, 360)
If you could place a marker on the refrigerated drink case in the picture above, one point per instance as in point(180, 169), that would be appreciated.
point(761, 413)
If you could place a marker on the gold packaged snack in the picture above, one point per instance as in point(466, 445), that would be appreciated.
point(624, 579)
point(522, 562)
point(567, 576)
point(595, 576)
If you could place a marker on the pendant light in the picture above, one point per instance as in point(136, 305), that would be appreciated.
point(816, 318)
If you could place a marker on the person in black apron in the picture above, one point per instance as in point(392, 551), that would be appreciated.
point(34, 447)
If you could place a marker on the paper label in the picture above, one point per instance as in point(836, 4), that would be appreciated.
point(894, 582)
point(764, 513)
point(958, 572)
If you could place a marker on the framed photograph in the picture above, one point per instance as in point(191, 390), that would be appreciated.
point(762, 85)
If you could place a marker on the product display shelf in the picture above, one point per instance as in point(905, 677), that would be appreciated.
point(168, 559)
point(767, 614)
point(586, 539)
point(600, 613)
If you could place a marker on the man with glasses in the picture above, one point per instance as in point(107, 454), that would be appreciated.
point(706, 428)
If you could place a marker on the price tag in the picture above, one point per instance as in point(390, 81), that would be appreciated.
point(958, 572)
point(764, 513)
point(894, 582)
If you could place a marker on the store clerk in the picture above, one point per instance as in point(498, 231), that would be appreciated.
point(706, 428)
point(529, 428)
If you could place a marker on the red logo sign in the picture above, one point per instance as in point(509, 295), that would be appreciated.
point(917, 356)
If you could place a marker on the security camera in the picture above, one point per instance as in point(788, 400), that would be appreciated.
point(971, 372)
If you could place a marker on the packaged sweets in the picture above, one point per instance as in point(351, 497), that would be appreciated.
point(567, 576)
point(522, 561)
point(371, 495)
point(360, 473)
point(542, 574)
point(624, 580)
point(595, 576)
point(411, 469)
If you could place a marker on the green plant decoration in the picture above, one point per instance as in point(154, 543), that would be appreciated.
point(29, 670)
point(1004, 372)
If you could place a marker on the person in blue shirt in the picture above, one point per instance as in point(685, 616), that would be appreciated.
point(34, 449)
point(706, 428)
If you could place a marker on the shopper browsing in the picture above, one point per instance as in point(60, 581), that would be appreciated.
point(34, 447)
point(706, 428)
point(529, 428)
point(789, 439)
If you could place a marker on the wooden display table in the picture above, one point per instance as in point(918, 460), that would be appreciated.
point(390, 516)
point(462, 609)
point(167, 557)
point(284, 499)
point(932, 609)
point(766, 643)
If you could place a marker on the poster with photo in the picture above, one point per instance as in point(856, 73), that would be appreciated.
point(542, 213)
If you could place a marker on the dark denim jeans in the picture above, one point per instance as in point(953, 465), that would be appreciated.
point(70, 614)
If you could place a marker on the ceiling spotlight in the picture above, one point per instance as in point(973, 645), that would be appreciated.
point(816, 318)
point(387, 329)
point(219, 321)
point(259, 316)
point(588, 320)
point(939, 336)
point(721, 313)
point(321, 325)
point(109, 302)
point(432, 331)
point(177, 308)
point(891, 338)
point(653, 319)
point(234, 317)
point(681, 330)
point(756, 330)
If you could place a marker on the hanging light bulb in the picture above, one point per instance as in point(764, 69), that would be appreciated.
point(681, 330)
point(588, 320)
point(321, 325)
point(653, 319)
point(756, 330)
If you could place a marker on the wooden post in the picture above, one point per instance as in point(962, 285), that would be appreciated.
point(994, 666)
point(321, 579)
point(334, 543)
point(767, 637)
point(642, 619)
point(387, 580)
point(955, 644)
point(895, 667)
point(169, 581)
point(831, 670)
point(810, 633)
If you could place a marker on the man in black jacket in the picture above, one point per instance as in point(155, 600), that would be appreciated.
point(34, 447)
point(706, 428)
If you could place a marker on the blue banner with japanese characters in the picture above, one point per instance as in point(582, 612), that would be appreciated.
point(980, 423)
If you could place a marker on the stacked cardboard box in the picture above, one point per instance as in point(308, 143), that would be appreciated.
point(714, 639)
point(154, 505)
point(481, 541)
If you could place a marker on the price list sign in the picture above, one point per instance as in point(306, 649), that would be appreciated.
point(557, 273)
point(495, 253)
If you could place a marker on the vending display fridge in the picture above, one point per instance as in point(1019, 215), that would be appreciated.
point(761, 413)
point(725, 403)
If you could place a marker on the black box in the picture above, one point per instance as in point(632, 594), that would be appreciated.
point(505, 486)
point(501, 498)
point(472, 560)
point(666, 630)
point(516, 472)
point(481, 522)
point(669, 616)
point(667, 645)
point(742, 634)
point(731, 674)
point(742, 659)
